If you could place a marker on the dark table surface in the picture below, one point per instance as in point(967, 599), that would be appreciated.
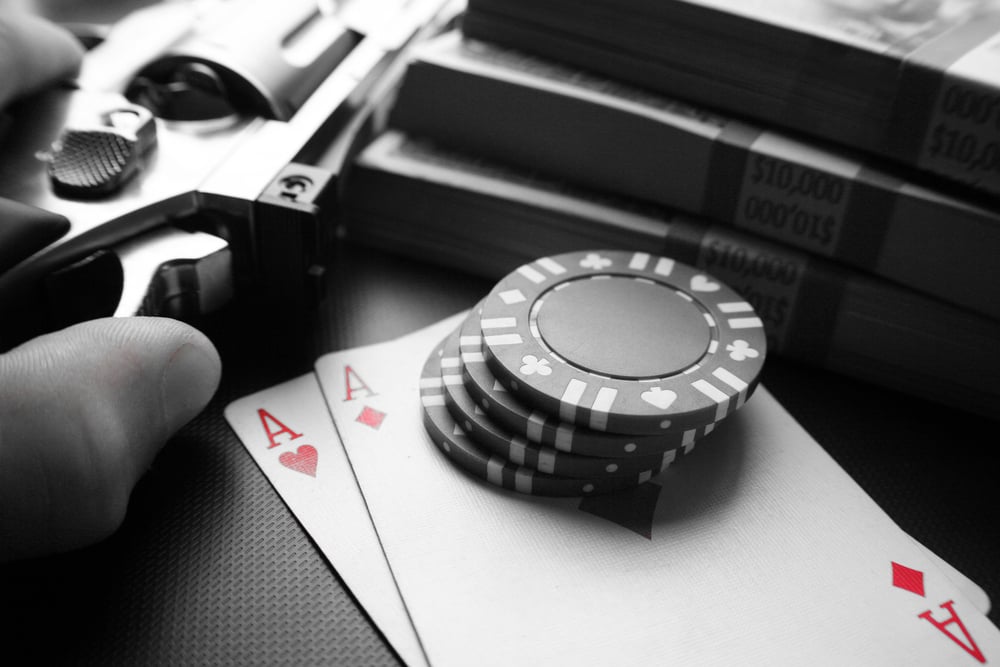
point(210, 567)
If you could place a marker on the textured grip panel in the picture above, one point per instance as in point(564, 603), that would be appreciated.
point(92, 163)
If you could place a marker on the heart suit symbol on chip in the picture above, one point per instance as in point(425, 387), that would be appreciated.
point(661, 398)
point(303, 460)
point(701, 283)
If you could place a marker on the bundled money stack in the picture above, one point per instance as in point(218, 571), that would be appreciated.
point(917, 81)
point(762, 143)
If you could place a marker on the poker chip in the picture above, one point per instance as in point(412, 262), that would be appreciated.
point(481, 428)
point(476, 460)
point(622, 342)
point(548, 430)
point(591, 372)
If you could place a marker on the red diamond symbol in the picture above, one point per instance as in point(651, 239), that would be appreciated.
point(908, 579)
point(371, 417)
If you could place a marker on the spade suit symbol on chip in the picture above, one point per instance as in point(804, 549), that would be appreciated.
point(658, 397)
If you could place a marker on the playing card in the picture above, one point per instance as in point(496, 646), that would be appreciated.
point(288, 432)
point(755, 549)
point(970, 589)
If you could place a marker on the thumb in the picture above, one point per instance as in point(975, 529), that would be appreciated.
point(83, 412)
point(34, 53)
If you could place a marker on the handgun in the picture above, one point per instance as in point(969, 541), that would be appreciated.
point(196, 157)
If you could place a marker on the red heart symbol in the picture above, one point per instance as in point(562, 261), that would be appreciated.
point(303, 460)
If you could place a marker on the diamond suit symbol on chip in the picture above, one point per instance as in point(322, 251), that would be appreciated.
point(371, 417)
point(303, 459)
point(740, 350)
point(659, 397)
point(532, 365)
point(595, 261)
point(907, 578)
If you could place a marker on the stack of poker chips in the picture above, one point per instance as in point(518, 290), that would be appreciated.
point(589, 372)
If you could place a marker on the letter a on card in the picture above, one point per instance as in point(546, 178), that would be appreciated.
point(274, 428)
point(353, 383)
point(969, 644)
point(912, 580)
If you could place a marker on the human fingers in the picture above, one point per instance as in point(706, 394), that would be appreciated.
point(83, 412)
point(34, 53)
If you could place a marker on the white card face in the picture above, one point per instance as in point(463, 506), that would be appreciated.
point(755, 549)
point(288, 432)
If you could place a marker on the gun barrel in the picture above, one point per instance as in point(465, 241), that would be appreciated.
point(200, 61)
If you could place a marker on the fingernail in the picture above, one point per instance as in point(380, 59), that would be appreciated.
point(189, 382)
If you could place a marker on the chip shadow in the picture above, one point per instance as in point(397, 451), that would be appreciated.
point(700, 483)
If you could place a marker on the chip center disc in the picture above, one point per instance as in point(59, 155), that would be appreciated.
point(622, 327)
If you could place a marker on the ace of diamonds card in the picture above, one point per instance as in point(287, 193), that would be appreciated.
point(755, 549)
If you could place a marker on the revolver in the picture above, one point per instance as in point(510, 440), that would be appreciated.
point(196, 158)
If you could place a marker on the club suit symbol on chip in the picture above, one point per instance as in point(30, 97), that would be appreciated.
point(740, 350)
point(595, 261)
point(532, 364)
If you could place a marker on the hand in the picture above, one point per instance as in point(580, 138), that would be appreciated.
point(84, 411)
point(33, 54)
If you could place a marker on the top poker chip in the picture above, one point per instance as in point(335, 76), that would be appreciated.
point(623, 342)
